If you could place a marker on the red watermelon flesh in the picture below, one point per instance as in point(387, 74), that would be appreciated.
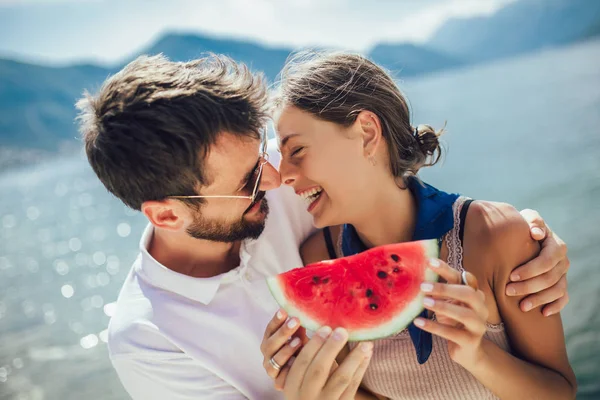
point(372, 294)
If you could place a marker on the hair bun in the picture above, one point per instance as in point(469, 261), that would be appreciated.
point(428, 140)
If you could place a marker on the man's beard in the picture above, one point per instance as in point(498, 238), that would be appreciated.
point(220, 231)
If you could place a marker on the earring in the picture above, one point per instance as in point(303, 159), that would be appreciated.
point(372, 160)
point(368, 124)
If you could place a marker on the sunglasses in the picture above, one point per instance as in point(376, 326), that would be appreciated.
point(263, 158)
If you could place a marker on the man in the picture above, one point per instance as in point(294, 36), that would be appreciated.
point(184, 144)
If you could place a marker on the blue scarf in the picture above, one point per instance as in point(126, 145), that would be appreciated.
point(434, 219)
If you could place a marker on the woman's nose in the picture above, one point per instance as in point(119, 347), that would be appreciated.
point(286, 170)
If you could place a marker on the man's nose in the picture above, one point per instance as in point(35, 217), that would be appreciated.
point(270, 178)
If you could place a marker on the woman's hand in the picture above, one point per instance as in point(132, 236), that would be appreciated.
point(461, 313)
point(281, 341)
point(312, 373)
point(545, 277)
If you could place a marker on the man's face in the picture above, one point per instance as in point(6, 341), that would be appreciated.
point(231, 167)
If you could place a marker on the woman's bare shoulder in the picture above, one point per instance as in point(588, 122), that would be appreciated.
point(498, 231)
point(314, 248)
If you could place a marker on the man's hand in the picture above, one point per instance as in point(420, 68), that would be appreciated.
point(314, 374)
point(307, 369)
point(545, 277)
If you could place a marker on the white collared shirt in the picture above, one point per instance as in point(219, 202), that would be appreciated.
point(181, 338)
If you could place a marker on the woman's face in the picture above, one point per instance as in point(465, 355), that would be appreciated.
point(324, 163)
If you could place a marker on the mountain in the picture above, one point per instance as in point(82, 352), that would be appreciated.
point(520, 27)
point(408, 59)
point(185, 47)
point(37, 102)
point(594, 30)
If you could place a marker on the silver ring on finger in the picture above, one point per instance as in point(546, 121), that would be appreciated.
point(463, 277)
point(274, 364)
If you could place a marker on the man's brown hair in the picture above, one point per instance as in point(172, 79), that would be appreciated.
point(148, 129)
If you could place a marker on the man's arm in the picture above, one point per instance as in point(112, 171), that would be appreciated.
point(544, 279)
point(171, 378)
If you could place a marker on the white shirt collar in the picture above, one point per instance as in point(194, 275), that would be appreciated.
point(198, 289)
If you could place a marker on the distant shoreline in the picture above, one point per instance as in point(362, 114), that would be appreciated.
point(15, 158)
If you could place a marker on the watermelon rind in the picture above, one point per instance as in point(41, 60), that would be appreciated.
point(292, 311)
point(410, 312)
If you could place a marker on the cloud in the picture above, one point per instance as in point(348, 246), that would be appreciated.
point(419, 27)
point(111, 30)
point(37, 2)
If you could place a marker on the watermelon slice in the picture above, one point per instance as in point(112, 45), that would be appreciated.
point(372, 294)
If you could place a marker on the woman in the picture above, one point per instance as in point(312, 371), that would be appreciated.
point(349, 148)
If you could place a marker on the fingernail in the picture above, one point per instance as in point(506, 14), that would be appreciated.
point(324, 332)
point(279, 314)
point(511, 291)
point(366, 347)
point(426, 287)
point(419, 322)
point(295, 342)
point(434, 262)
point(537, 231)
point(515, 277)
point(428, 301)
point(291, 360)
point(548, 313)
point(340, 334)
point(527, 305)
point(292, 323)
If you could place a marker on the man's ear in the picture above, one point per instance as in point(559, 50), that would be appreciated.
point(165, 214)
point(370, 127)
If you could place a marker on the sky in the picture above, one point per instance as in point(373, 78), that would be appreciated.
point(106, 32)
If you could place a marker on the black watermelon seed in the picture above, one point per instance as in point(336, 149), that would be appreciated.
point(382, 274)
point(396, 269)
point(373, 306)
point(325, 280)
point(395, 257)
point(369, 292)
point(316, 279)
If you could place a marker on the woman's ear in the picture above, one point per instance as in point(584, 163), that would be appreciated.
point(165, 214)
point(371, 131)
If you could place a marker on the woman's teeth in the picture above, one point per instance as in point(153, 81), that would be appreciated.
point(311, 195)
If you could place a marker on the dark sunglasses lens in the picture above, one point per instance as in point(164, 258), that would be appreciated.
point(256, 177)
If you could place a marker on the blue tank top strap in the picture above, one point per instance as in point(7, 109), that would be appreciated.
point(435, 218)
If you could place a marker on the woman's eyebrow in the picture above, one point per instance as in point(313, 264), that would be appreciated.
point(284, 141)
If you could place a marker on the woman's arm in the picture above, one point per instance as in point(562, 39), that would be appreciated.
point(500, 240)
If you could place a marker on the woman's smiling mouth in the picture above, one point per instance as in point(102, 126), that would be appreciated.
point(311, 196)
